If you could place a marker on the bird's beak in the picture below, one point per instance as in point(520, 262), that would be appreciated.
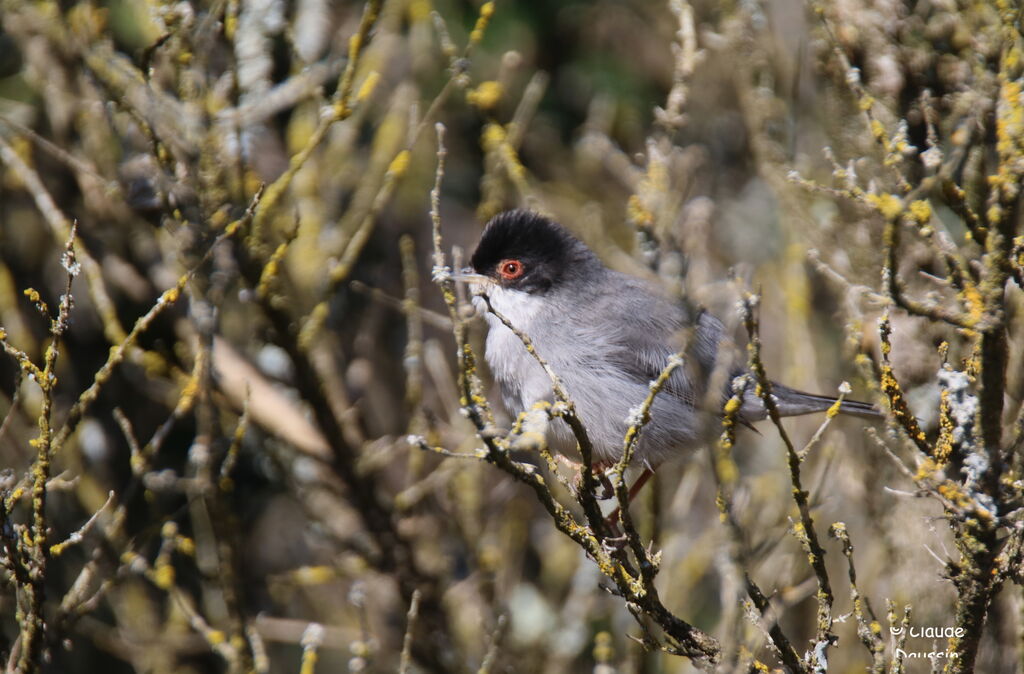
point(478, 283)
point(467, 275)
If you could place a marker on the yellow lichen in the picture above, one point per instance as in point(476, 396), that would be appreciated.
point(994, 214)
point(188, 393)
point(163, 576)
point(1010, 117)
point(974, 302)
point(399, 164)
point(355, 44)
point(637, 213)
point(604, 650)
point(727, 471)
point(87, 21)
point(185, 545)
point(834, 409)
point(369, 84)
point(418, 10)
point(889, 205)
point(953, 492)
point(312, 326)
point(493, 136)
point(486, 11)
point(170, 295)
point(33, 295)
point(944, 443)
point(487, 95)
point(313, 575)
point(926, 469)
point(921, 211)
point(309, 658)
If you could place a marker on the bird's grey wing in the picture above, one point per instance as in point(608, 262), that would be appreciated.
point(653, 328)
point(645, 342)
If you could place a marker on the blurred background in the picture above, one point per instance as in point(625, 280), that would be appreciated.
point(664, 134)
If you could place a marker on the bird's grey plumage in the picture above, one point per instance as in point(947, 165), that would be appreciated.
point(607, 335)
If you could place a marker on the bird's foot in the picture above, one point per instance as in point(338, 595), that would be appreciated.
point(613, 544)
point(604, 490)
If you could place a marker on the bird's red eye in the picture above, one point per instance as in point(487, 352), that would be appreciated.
point(510, 269)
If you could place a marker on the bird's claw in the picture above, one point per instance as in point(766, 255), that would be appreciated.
point(613, 544)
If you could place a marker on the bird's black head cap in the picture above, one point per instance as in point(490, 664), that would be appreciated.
point(526, 251)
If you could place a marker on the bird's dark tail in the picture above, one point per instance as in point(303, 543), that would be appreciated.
point(791, 403)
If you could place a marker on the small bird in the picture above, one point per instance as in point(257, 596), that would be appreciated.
point(606, 335)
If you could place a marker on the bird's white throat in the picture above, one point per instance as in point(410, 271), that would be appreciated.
point(517, 306)
point(522, 380)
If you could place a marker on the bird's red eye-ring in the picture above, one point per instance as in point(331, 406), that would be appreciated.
point(510, 269)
